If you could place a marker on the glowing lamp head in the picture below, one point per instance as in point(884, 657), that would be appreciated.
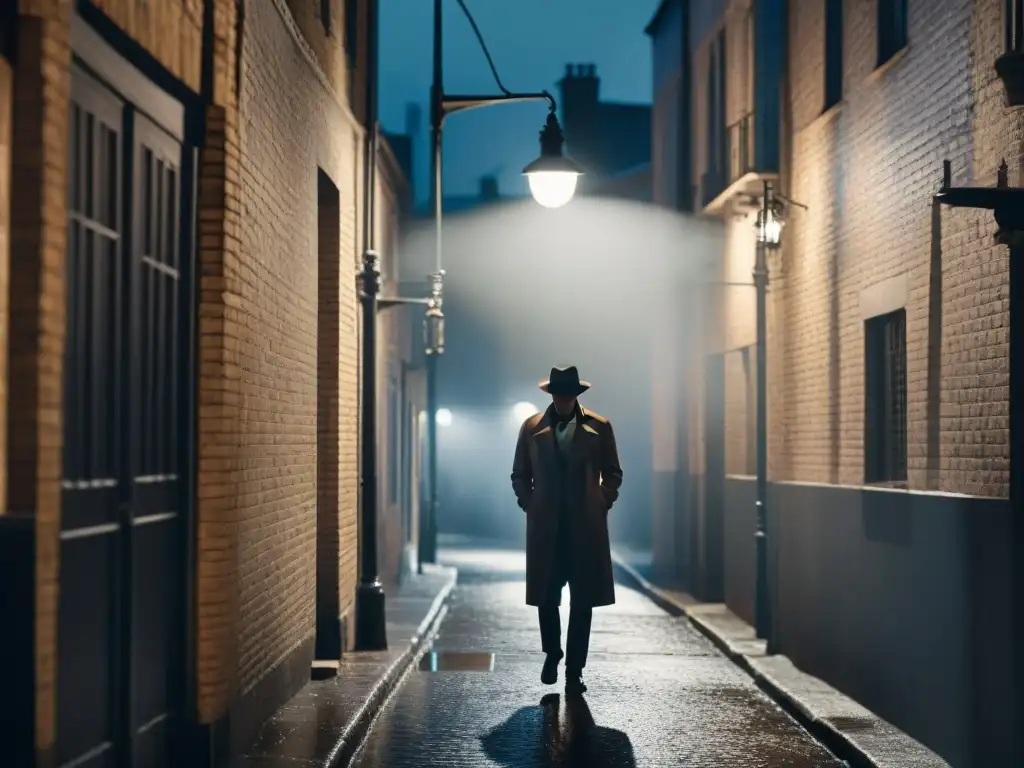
point(552, 176)
point(552, 189)
point(444, 417)
point(769, 227)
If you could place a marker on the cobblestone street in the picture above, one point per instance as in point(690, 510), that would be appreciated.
point(659, 693)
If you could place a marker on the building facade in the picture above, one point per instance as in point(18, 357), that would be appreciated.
point(887, 354)
point(179, 535)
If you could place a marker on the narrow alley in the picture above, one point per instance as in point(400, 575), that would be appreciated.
point(660, 694)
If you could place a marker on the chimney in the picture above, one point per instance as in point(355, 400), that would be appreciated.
point(488, 188)
point(580, 88)
point(413, 117)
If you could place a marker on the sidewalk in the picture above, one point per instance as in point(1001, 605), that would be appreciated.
point(324, 724)
point(851, 731)
point(660, 694)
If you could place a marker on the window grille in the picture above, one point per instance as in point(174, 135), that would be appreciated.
point(885, 418)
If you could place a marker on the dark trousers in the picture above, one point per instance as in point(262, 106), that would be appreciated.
point(580, 616)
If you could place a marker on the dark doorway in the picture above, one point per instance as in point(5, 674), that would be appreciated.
point(329, 632)
point(123, 572)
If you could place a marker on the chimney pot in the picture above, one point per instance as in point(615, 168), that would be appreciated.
point(488, 188)
point(568, 70)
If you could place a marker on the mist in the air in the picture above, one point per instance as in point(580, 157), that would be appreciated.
point(526, 288)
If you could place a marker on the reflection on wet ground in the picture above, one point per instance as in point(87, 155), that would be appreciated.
point(466, 661)
point(660, 693)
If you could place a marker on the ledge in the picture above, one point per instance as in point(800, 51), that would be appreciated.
point(747, 184)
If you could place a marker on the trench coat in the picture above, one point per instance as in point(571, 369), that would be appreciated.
point(583, 485)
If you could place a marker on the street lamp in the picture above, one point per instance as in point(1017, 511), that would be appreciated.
point(768, 229)
point(552, 178)
point(371, 631)
point(768, 224)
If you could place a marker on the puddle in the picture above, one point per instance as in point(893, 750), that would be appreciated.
point(457, 661)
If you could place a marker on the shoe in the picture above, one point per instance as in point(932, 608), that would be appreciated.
point(549, 675)
point(574, 685)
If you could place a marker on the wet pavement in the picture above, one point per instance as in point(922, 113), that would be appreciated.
point(660, 694)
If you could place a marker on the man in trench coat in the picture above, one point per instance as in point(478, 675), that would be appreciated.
point(566, 476)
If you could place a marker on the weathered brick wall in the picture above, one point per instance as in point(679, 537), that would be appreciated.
point(292, 124)
point(220, 278)
point(36, 322)
point(976, 319)
point(869, 170)
point(171, 31)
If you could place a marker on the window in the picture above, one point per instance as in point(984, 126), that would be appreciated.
point(325, 15)
point(833, 52)
point(394, 440)
point(892, 28)
point(351, 23)
point(1013, 22)
point(885, 412)
point(717, 152)
point(408, 470)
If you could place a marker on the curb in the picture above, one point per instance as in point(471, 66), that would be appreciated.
point(834, 739)
point(362, 721)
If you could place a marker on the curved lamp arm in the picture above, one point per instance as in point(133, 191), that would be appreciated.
point(450, 104)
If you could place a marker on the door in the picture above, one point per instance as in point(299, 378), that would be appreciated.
point(712, 542)
point(122, 572)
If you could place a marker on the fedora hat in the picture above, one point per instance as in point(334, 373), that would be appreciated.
point(564, 382)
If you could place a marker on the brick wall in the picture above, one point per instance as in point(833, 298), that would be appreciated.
point(869, 169)
point(258, 287)
point(219, 391)
point(171, 31)
point(292, 125)
point(36, 321)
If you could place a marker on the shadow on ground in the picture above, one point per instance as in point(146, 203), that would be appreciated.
point(562, 734)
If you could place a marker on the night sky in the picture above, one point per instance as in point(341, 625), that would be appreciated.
point(530, 41)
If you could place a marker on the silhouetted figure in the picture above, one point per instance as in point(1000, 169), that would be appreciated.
point(566, 476)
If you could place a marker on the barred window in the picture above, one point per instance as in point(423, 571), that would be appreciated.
point(885, 417)
point(892, 28)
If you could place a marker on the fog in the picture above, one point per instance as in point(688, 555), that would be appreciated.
point(592, 285)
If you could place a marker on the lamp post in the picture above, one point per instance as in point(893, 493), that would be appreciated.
point(769, 230)
point(371, 633)
point(552, 178)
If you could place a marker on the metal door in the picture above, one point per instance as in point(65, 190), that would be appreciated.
point(122, 578)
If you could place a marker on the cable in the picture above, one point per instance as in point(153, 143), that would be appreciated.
point(483, 45)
